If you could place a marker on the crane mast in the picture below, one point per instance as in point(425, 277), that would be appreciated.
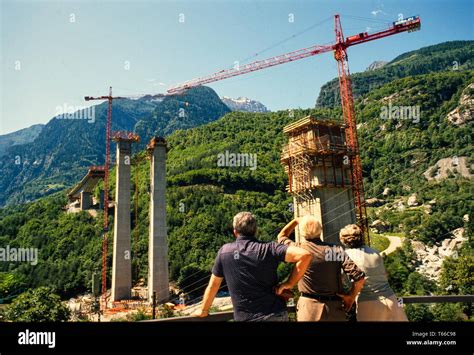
point(352, 142)
point(108, 128)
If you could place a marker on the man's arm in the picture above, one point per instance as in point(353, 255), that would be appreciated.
point(302, 259)
point(284, 235)
point(351, 269)
point(349, 299)
point(209, 295)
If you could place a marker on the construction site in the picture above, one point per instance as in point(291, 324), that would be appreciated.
point(321, 159)
point(304, 168)
point(319, 167)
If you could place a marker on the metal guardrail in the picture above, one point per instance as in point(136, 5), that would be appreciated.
point(438, 299)
point(229, 315)
point(214, 317)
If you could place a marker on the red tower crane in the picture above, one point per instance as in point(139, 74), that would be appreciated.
point(340, 54)
point(108, 128)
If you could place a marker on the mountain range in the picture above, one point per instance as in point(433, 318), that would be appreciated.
point(50, 158)
point(22, 136)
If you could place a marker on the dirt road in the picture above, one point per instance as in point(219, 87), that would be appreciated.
point(395, 242)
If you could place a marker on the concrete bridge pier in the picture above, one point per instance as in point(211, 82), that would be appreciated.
point(121, 265)
point(158, 279)
point(85, 200)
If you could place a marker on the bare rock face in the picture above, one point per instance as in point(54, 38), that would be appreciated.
point(412, 201)
point(464, 112)
point(400, 206)
point(428, 209)
point(431, 258)
point(376, 65)
point(380, 226)
point(418, 246)
point(374, 202)
point(444, 167)
point(459, 233)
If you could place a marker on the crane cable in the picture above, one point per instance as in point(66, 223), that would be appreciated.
point(288, 39)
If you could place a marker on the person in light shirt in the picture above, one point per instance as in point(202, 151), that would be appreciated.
point(377, 300)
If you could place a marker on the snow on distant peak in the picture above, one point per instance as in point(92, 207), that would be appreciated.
point(244, 104)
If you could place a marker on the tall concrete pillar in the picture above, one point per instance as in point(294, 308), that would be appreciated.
point(332, 207)
point(158, 280)
point(85, 200)
point(121, 267)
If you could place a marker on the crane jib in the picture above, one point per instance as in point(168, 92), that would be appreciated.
point(409, 24)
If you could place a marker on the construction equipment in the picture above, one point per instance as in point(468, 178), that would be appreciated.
point(339, 48)
point(108, 136)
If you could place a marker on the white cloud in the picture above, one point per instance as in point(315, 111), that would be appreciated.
point(376, 12)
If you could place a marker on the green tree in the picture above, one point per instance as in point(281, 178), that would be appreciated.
point(193, 280)
point(38, 305)
point(399, 265)
point(457, 275)
point(417, 284)
point(419, 313)
point(448, 312)
point(10, 285)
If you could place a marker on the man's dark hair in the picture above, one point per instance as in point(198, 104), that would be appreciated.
point(245, 224)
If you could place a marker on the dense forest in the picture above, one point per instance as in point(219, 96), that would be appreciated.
point(202, 197)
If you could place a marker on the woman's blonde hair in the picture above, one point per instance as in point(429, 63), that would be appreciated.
point(351, 236)
point(310, 227)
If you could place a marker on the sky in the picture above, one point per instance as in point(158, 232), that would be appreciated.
point(53, 53)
